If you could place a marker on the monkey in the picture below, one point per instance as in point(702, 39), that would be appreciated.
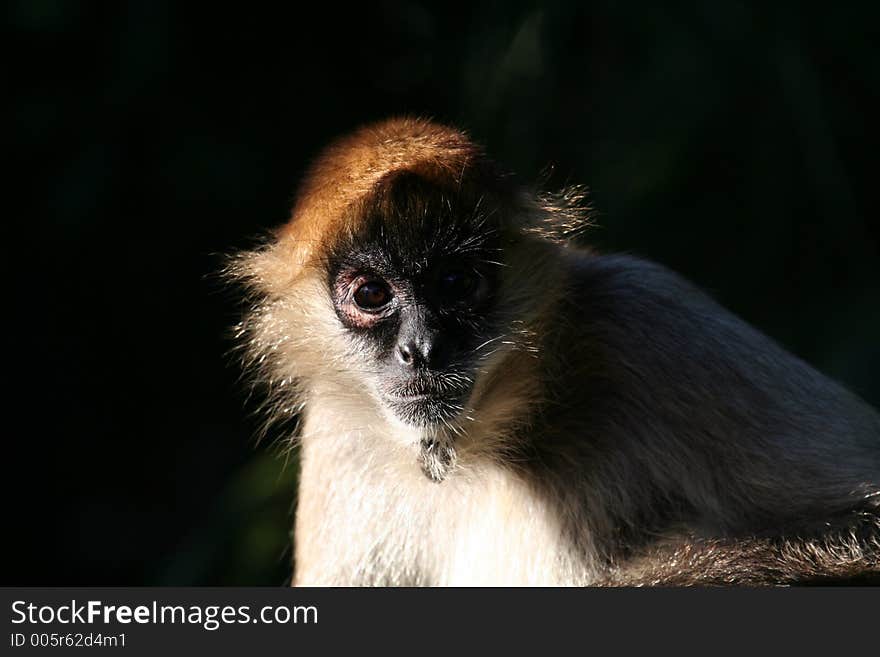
point(484, 400)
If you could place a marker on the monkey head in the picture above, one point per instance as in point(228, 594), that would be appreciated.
point(402, 290)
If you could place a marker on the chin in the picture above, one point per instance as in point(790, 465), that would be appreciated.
point(424, 411)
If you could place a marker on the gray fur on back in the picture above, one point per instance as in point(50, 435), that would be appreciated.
point(672, 423)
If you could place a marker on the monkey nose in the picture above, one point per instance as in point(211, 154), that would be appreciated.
point(420, 352)
point(406, 354)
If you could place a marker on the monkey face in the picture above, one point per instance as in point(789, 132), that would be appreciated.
point(416, 288)
point(405, 297)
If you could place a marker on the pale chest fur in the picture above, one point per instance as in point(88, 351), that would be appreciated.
point(367, 515)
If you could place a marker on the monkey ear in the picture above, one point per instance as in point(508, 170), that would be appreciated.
point(562, 216)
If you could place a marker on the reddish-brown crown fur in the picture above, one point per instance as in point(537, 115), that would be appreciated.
point(349, 170)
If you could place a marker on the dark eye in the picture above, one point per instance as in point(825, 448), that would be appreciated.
point(457, 284)
point(372, 295)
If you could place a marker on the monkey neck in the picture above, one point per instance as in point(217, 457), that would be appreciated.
point(366, 514)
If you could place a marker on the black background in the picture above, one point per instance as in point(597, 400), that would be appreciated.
point(736, 143)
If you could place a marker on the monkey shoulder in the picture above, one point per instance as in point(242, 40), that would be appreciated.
point(621, 314)
point(654, 376)
point(639, 327)
point(635, 315)
point(623, 285)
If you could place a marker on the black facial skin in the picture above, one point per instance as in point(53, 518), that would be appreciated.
point(417, 286)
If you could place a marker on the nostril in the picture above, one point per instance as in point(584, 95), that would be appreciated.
point(405, 354)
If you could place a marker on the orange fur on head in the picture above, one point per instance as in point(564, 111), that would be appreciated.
point(349, 170)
